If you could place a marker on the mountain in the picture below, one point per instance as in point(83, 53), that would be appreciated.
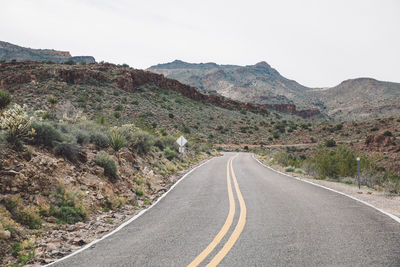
point(359, 99)
point(259, 83)
point(9, 52)
point(356, 99)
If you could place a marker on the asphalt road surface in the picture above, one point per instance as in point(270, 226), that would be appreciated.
point(232, 211)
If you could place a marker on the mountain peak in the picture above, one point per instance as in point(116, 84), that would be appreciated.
point(262, 65)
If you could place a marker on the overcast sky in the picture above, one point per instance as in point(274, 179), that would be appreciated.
point(315, 42)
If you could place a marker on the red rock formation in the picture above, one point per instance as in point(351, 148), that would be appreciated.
point(291, 109)
point(65, 54)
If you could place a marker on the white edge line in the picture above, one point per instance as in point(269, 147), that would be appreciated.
point(394, 217)
point(131, 219)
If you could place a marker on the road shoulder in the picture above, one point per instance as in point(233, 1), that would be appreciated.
point(384, 202)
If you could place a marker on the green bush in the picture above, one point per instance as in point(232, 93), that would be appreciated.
point(290, 169)
point(276, 135)
point(52, 100)
point(139, 192)
point(5, 99)
point(330, 143)
point(46, 115)
point(387, 133)
point(117, 114)
point(82, 137)
point(64, 208)
point(110, 168)
point(99, 139)
point(67, 214)
point(45, 135)
point(340, 162)
point(70, 62)
point(169, 154)
point(67, 151)
point(164, 142)
point(142, 142)
point(285, 159)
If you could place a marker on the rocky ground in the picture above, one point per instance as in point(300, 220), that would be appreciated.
point(34, 181)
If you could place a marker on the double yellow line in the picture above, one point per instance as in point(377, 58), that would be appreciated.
point(228, 222)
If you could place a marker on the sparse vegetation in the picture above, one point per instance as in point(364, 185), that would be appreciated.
point(5, 100)
point(110, 168)
point(65, 208)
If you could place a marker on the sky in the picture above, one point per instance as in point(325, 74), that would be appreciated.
point(318, 43)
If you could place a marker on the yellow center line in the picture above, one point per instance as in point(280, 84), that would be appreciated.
point(226, 225)
point(238, 229)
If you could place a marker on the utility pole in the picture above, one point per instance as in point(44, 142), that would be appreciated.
point(358, 171)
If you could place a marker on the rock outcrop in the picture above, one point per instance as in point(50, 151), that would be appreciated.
point(10, 52)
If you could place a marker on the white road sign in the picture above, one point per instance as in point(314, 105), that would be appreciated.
point(181, 141)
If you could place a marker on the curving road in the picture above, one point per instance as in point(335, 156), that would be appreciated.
point(232, 211)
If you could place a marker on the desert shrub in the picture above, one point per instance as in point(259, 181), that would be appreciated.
point(169, 154)
point(142, 142)
point(340, 162)
point(281, 127)
point(282, 159)
point(82, 137)
point(276, 135)
point(171, 115)
point(45, 134)
point(110, 168)
point(65, 208)
point(330, 143)
point(99, 139)
point(67, 151)
point(70, 62)
point(117, 114)
point(119, 107)
point(26, 215)
point(116, 139)
point(159, 143)
point(139, 192)
point(285, 159)
point(290, 169)
point(52, 100)
point(5, 99)
point(337, 127)
point(46, 115)
point(186, 129)
point(387, 133)
point(165, 141)
point(18, 125)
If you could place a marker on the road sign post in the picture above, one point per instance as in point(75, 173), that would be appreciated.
point(358, 171)
point(181, 142)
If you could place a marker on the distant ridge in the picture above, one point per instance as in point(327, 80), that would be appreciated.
point(9, 52)
point(353, 99)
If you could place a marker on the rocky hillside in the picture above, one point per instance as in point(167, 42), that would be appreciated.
point(9, 52)
point(259, 83)
point(357, 99)
point(133, 94)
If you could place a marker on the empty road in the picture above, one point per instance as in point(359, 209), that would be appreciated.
point(232, 211)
